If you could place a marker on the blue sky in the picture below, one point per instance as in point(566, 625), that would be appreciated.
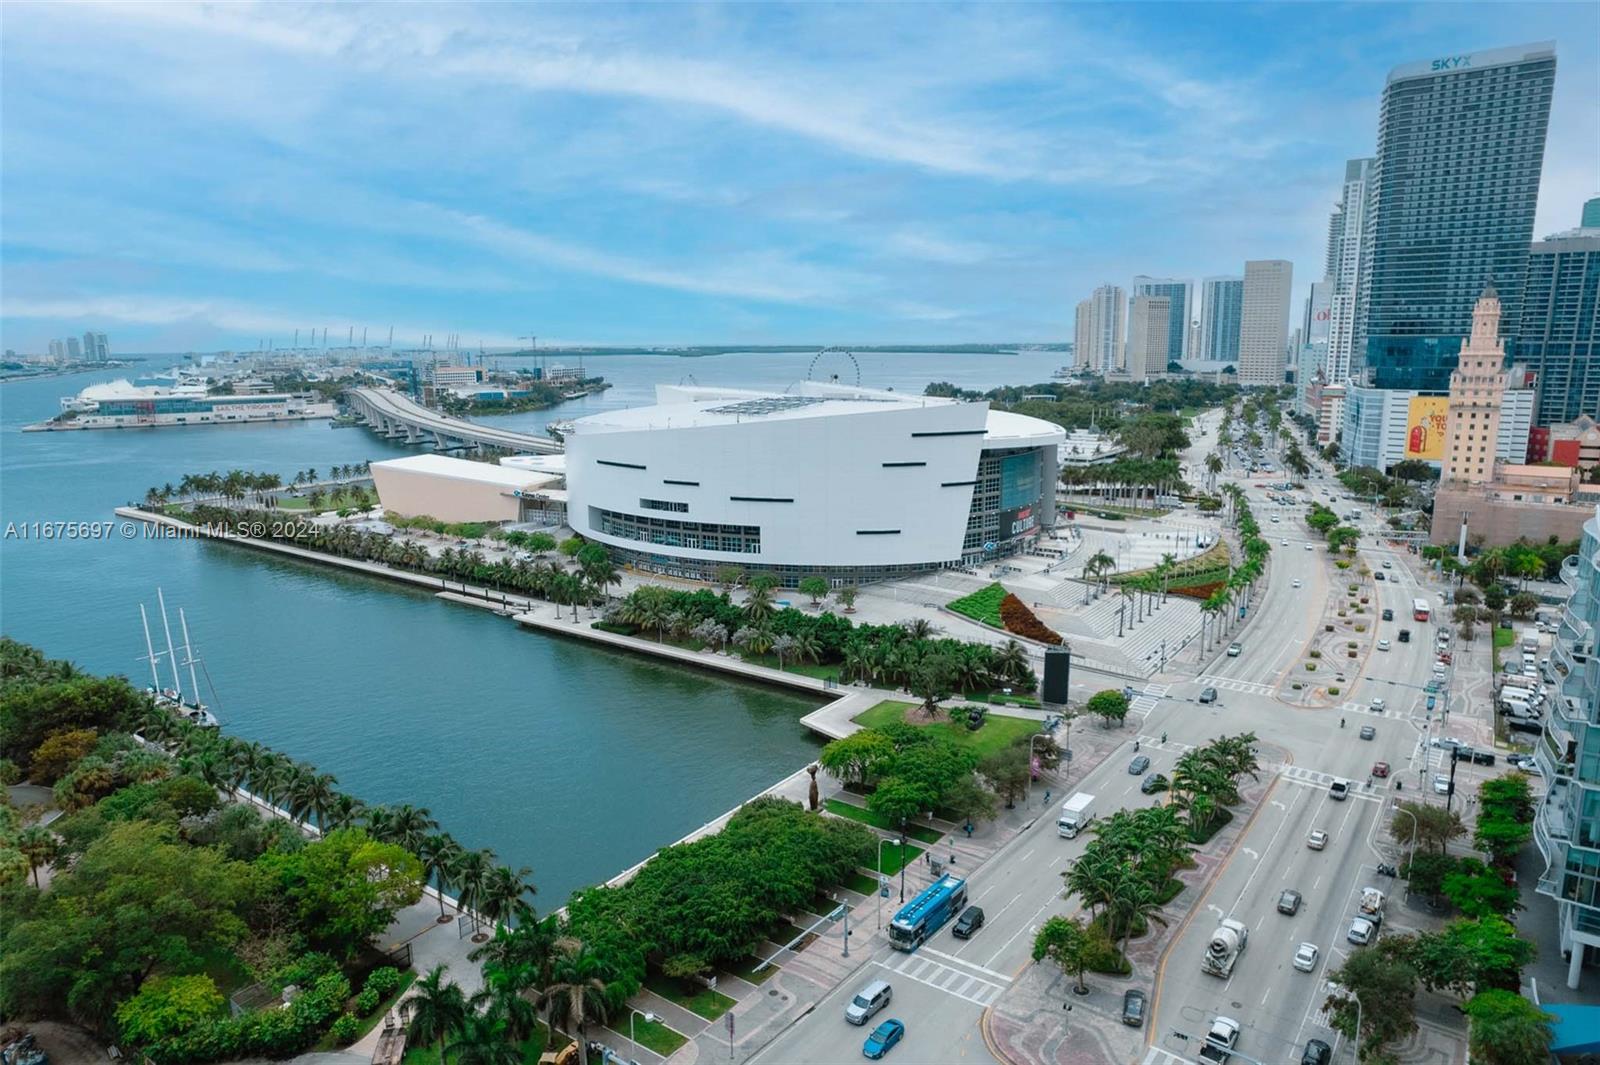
point(187, 176)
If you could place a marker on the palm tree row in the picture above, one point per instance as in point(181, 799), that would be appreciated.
point(313, 801)
point(1124, 871)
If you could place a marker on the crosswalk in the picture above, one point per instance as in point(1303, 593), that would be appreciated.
point(1148, 699)
point(1234, 684)
point(1319, 781)
point(953, 976)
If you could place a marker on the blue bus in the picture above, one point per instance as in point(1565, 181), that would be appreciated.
point(924, 915)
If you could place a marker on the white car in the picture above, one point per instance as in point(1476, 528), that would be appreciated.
point(1308, 547)
point(1361, 931)
point(1387, 564)
point(1284, 542)
point(1383, 645)
point(1378, 703)
point(1305, 957)
point(1441, 784)
point(1297, 582)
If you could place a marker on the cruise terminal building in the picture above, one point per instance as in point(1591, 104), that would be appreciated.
point(851, 484)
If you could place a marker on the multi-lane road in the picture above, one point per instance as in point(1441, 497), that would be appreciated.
point(942, 991)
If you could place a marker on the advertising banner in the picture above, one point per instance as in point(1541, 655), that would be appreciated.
point(1426, 417)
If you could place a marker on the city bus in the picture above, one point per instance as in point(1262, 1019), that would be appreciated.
point(1420, 609)
point(924, 915)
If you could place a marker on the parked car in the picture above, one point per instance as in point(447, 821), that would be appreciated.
point(883, 1039)
point(1235, 650)
point(1316, 1053)
point(1133, 1007)
point(970, 921)
point(1305, 957)
point(1208, 695)
point(1289, 902)
point(1317, 840)
point(1361, 931)
point(1368, 732)
point(1380, 770)
point(1445, 743)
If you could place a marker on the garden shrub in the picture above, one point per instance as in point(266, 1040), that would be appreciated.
point(383, 980)
point(1020, 620)
point(346, 1030)
point(982, 605)
point(1333, 691)
point(367, 1001)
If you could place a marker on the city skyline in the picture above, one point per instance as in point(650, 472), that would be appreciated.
point(189, 177)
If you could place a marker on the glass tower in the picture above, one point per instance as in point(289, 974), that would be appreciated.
point(1452, 197)
point(1559, 331)
point(1566, 827)
point(1222, 305)
point(1178, 310)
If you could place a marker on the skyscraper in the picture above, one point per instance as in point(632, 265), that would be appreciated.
point(1454, 188)
point(1149, 340)
point(1472, 432)
point(1558, 334)
point(1222, 301)
point(1098, 331)
point(1264, 321)
point(1344, 268)
point(1180, 296)
point(73, 351)
point(1591, 214)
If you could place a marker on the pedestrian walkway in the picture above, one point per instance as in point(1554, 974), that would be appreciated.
point(952, 975)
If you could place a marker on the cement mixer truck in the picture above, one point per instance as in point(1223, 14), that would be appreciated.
point(1227, 943)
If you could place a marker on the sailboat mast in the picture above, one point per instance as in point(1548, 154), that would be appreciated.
point(149, 650)
point(177, 684)
point(188, 655)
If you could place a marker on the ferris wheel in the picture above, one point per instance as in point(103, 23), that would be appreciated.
point(832, 365)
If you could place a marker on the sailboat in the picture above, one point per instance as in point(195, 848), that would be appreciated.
point(191, 708)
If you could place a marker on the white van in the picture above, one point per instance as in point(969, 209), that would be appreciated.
point(868, 1001)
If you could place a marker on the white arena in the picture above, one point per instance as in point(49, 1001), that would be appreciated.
point(851, 484)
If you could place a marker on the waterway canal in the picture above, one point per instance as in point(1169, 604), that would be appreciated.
point(567, 758)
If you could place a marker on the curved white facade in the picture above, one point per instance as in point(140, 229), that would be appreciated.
point(822, 478)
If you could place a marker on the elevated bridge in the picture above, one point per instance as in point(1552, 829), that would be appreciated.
point(398, 417)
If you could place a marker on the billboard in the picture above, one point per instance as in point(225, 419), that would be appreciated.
point(1425, 425)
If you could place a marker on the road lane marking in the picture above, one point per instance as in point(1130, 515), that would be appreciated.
point(942, 978)
point(965, 962)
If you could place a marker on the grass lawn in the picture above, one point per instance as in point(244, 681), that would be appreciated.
point(531, 1049)
point(982, 605)
point(653, 1034)
point(867, 817)
point(328, 502)
point(805, 669)
point(1502, 638)
point(692, 997)
point(997, 732)
point(747, 971)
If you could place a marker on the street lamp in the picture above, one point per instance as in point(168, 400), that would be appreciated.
point(1411, 851)
point(650, 1018)
point(882, 887)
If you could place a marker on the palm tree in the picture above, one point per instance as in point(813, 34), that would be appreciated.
point(758, 601)
point(435, 1010)
point(40, 846)
point(408, 826)
point(783, 645)
point(470, 873)
point(483, 1040)
point(343, 811)
point(310, 795)
point(576, 996)
point(503, 892)
point(1213, 467)
point(918, 628)
point(439, 854)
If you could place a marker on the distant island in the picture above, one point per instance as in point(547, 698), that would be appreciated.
point(702, 350)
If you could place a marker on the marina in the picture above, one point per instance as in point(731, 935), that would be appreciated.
point(121, 404)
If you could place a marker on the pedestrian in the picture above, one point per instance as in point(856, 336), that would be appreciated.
point(969, 829)
point(1163, 737)
point(1046, 801)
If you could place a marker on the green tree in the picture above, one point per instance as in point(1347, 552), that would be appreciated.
point(1507, 1029)
point(345, 888)
point(59, 752)
point(1479, 891)
point(933, 680)
point(1067, 942)
point(136, 902)
point(1385, 985)
point(815, 587)
point(577, 996)
point(1470, 955)
point(1434, 826)
point(857, 758)
point(1008, 772)
point(968, 800)
point(1109, 705)
point(40, 846)
point(168, 1006)
point(902, 800)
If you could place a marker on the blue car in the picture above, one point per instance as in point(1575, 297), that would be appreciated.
point(883, 1038)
